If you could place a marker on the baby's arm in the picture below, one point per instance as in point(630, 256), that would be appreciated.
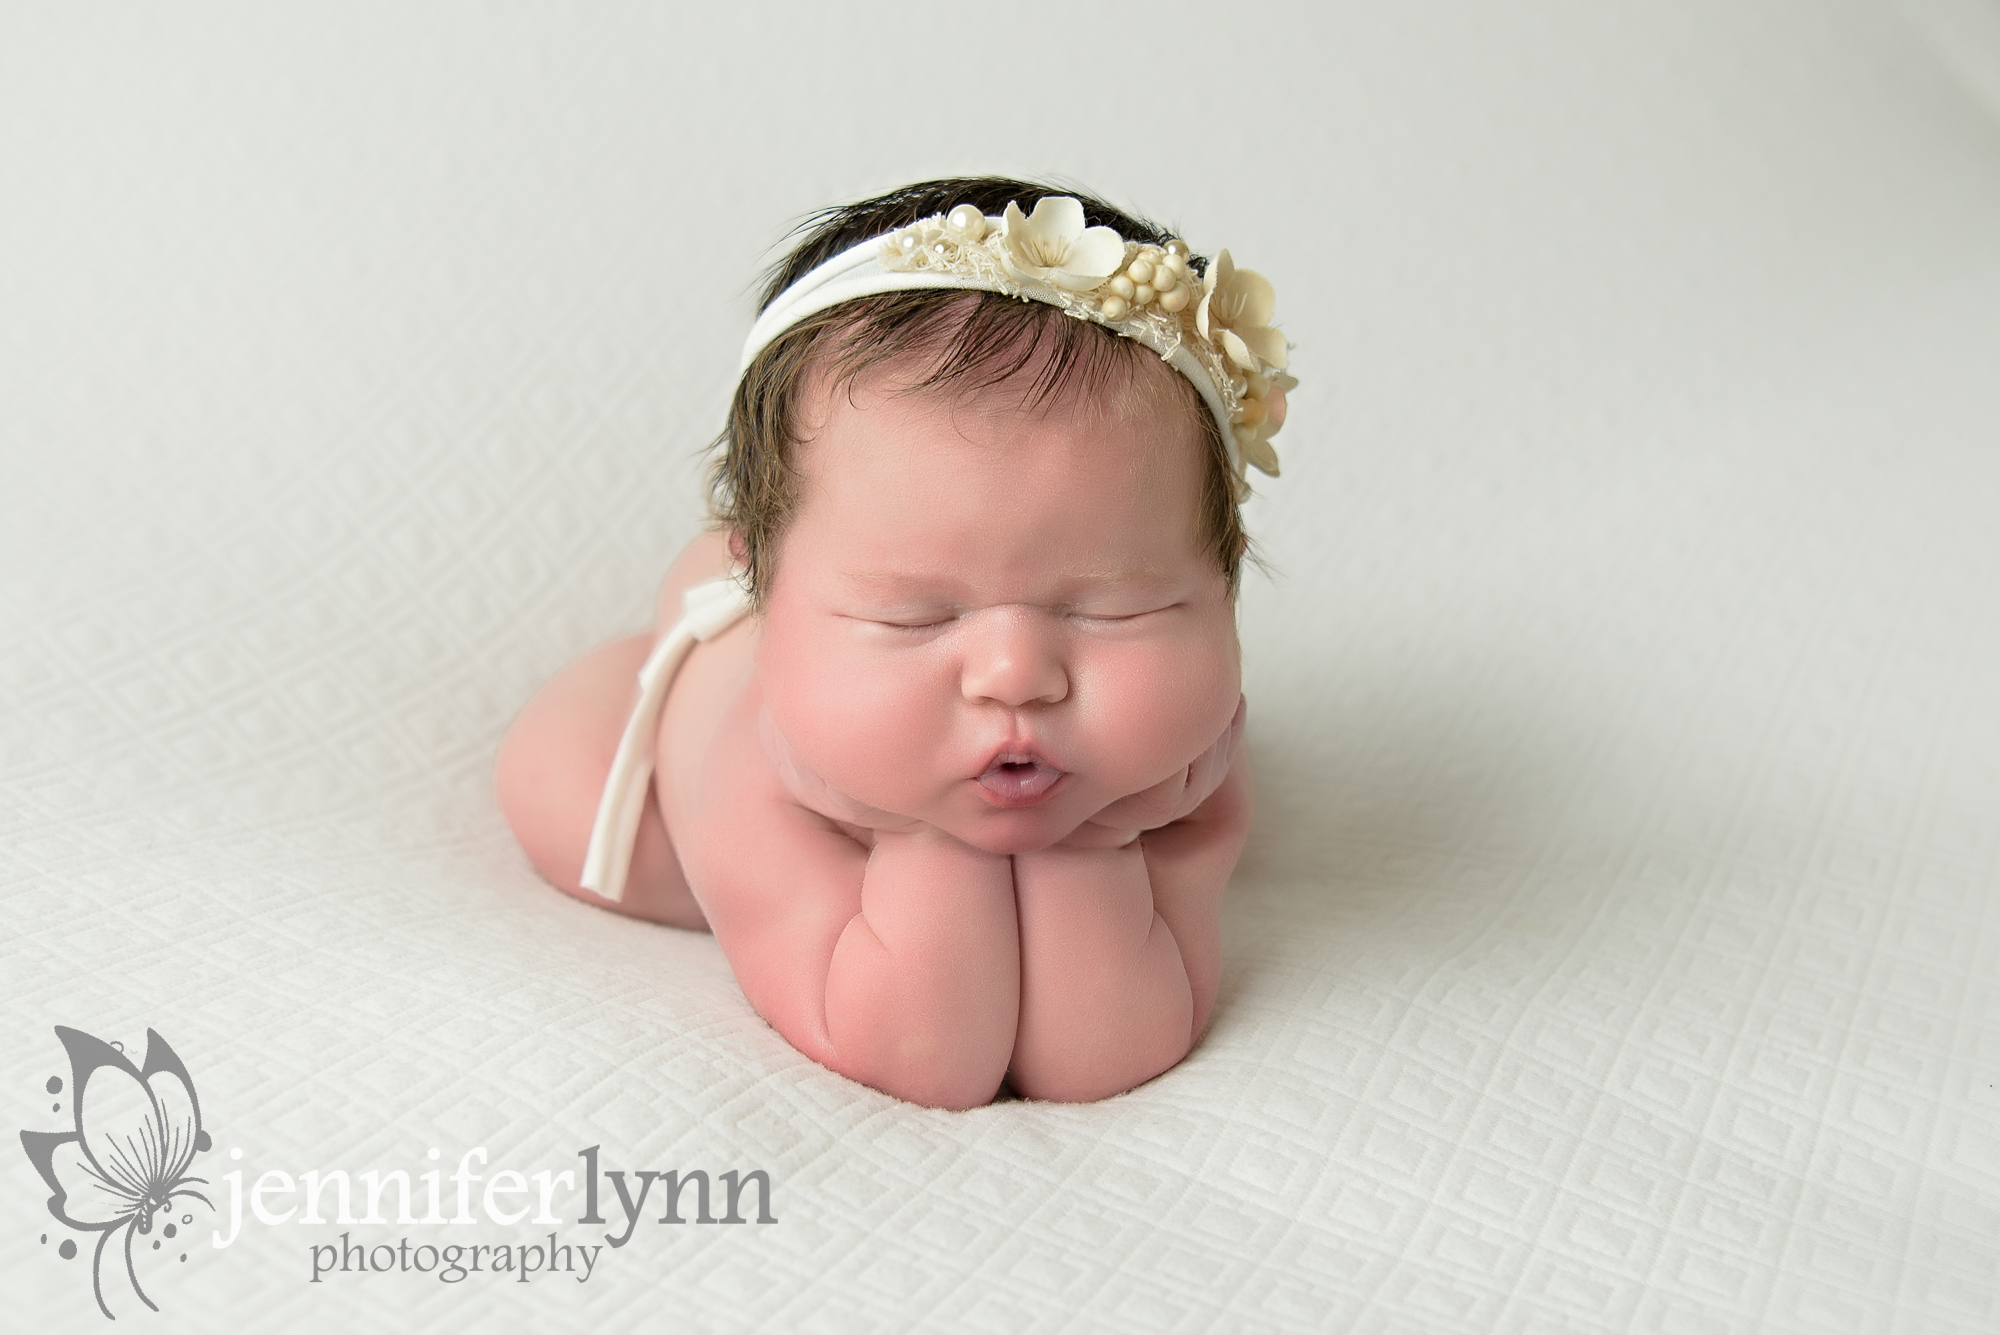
point(897, 965)
point(1120, 949)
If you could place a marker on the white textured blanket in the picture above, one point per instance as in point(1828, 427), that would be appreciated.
point(1616, 948)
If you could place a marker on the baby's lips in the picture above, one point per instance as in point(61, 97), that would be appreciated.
point(1019, 785)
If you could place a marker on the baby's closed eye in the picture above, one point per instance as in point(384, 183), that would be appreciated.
point(1102, 620)
point(905, 625)
point(1116, 615)
point(914, 623)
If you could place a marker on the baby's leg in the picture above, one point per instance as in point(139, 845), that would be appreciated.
point(553, 761)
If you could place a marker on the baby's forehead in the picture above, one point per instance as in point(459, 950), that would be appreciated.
point(871, 435)
point(1074, 451)
point(916, 489)
point(1142, 391)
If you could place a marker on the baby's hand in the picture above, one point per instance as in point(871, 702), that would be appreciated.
point(1173, 798)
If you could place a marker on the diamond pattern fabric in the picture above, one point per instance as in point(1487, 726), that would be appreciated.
point(1616, 947)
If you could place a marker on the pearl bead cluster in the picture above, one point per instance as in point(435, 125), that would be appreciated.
point(927, 244)
point(1155, 274)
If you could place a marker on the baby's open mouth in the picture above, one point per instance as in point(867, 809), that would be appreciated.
point(1018, 781)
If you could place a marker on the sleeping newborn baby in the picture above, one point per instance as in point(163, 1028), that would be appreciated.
point(941, 729)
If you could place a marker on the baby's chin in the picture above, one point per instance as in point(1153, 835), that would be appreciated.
point(1010, 836)
point(1011, 830)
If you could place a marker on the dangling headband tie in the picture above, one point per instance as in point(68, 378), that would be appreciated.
point(1215, 330)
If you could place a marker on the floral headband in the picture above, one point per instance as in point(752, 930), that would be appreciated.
point(1215, 330)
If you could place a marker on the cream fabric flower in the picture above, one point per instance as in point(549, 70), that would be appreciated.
point(1239, 304)
point(1259, 417)
point(1053, 246)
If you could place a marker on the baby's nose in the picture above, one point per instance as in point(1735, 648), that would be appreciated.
point(1014, 657)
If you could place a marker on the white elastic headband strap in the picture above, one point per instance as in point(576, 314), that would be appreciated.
point(858, 272)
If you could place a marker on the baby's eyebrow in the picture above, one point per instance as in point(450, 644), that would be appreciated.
point(953, 588)
point(1069, 590)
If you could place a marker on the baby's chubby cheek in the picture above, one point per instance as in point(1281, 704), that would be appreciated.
point(868, 725)
point(1143, 712)
point(891, 729)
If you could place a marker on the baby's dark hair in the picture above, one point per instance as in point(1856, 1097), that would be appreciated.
point(976, 339)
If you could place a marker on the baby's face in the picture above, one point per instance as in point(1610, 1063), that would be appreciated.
point(995, 618)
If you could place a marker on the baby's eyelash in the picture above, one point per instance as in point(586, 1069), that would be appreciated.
point(929, 624)
point(1081, 615)
point(934, 621)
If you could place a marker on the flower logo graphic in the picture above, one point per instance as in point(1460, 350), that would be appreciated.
point(138, 1129)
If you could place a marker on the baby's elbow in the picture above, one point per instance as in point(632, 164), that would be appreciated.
point(949, 1095)
point(1087, 1073)
point(952, 1066)
point(1088, 1085)
point(951, 1086)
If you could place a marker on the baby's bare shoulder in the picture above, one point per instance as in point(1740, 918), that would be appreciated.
point(743, 840)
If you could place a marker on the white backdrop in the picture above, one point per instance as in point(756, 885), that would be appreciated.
point(1614, 950)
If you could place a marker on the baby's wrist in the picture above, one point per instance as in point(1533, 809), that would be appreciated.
point(1092, 836)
